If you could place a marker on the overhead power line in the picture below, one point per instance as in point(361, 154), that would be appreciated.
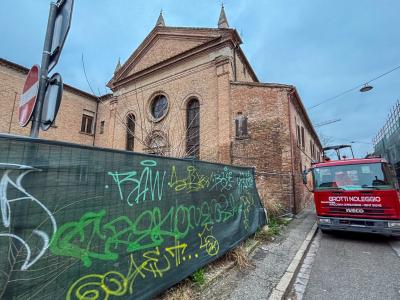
point(326, 122)
point(350, 140)
point(353, 89)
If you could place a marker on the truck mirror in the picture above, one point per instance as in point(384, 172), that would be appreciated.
point(397, 184)
point(396, 181)
point(304, 175)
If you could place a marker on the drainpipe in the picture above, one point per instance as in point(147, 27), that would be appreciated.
point(95, 121)
point(234, 64)
point(12, 113)
point(291, 150)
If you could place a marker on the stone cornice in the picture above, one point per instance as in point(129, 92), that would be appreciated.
point(196, 51)
point(208, 35)
point(263, 84)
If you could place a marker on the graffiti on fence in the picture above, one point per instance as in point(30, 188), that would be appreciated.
point(113, 283)
point(139, 187)
point(7, 206)
point(208, 241)
point(244, 181)
point(193, 182)
point(151, 227)
point(222, 181)
point(148, 230)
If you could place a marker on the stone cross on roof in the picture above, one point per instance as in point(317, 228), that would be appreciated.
point(222, 22)
point(160, 20)
point(118, 66)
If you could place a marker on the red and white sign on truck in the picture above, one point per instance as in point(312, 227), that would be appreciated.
point(29, 96)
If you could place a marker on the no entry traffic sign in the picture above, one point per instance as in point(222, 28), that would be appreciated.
point(57, 30)
point(29, 96)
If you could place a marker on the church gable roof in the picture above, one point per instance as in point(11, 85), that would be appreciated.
point(162, 48)
point(164, 43)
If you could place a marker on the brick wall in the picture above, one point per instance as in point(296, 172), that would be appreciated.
point(205, 77)
point(179, 86)
point(68, 123)
point(267, 147)
point(302, 150)
point(273, 111)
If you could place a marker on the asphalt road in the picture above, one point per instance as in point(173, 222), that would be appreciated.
point(354, 266)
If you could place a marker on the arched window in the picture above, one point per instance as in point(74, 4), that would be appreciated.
point(193, 128)
point(130, 132)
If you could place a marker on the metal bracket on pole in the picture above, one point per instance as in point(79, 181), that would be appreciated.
point(44, 71)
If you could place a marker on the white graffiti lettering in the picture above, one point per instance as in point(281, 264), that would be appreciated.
point(5, 183)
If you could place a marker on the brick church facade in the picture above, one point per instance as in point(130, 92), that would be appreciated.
point(188, 92)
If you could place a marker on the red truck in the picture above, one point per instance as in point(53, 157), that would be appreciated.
point(360, 195)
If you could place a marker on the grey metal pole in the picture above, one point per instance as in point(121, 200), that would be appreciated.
point(44, 70)
point(352, 153)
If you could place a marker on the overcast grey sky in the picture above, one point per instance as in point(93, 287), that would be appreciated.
point(322, 47)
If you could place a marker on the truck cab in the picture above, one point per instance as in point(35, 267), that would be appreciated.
point(360, 195)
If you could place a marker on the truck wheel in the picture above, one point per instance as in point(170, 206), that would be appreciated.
point(325, 231)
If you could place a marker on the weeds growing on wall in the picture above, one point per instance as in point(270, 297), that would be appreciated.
point(198, 277)
point(181, 291)
point(273, 229)
point(240, 257)
point(273, 206)
point(274, 226)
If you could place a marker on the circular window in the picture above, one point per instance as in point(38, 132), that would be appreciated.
point(159, 107)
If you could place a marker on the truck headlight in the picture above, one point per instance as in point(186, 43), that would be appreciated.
point(393, 224)
point(324, 221)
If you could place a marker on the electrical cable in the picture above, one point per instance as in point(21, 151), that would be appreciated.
point(349, 140)
point(353, 89)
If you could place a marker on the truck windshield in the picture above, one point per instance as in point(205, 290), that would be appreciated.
point(353, 177)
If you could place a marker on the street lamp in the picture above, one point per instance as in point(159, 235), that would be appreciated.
point(366, 88)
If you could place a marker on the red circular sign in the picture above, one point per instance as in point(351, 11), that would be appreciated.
point(29, 96)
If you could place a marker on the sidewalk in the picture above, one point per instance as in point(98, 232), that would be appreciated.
point(270, 260)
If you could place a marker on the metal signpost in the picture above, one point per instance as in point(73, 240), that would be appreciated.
point(57, 29)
